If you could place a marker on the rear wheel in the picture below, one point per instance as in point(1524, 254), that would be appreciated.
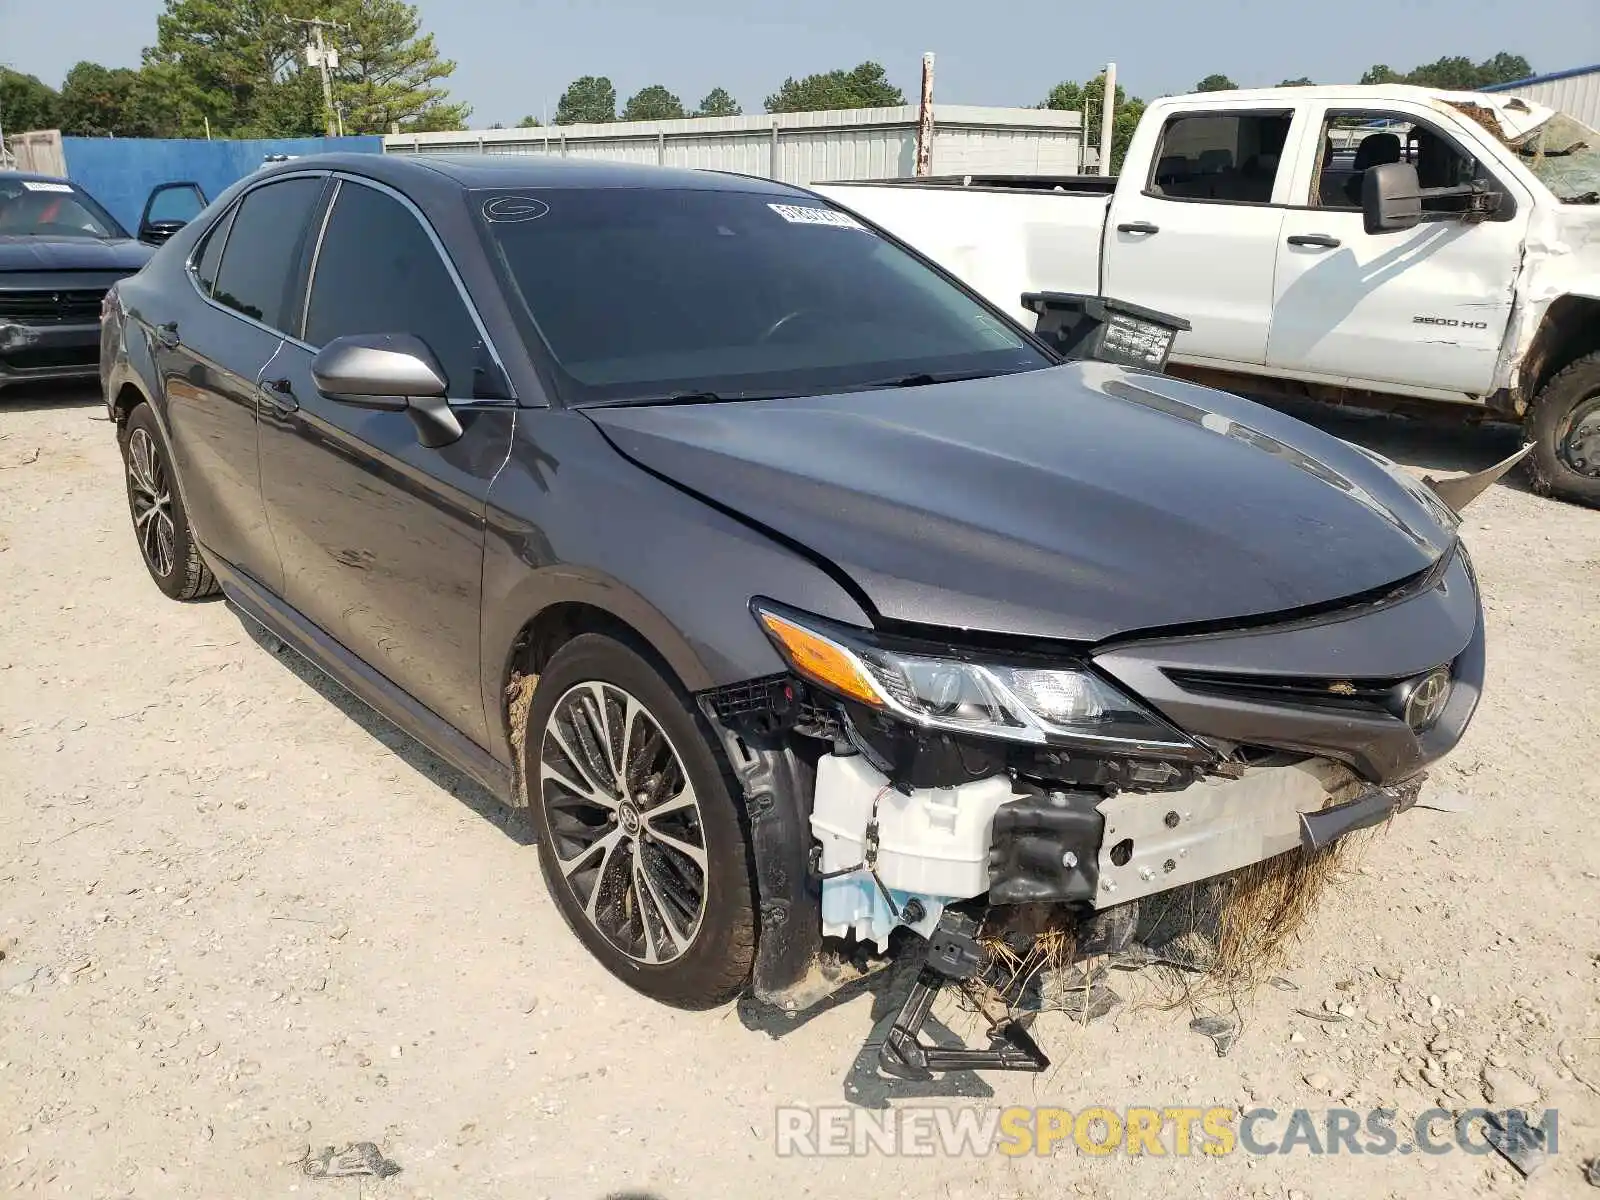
point(1564, 425)
point(166, 543)
point(639, 840)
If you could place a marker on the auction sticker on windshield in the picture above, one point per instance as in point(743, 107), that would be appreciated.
point(34, 185)
point(802, 214)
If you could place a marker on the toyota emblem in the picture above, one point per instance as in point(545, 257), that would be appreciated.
point(1427, 700)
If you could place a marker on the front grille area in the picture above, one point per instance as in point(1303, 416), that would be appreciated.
point(37, 359)
point(1365, 695)
point(67, 306)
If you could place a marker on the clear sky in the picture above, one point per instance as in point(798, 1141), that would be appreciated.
point(516, 56)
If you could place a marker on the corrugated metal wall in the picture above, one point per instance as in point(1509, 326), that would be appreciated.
point(862, 143)
point(1574, 92)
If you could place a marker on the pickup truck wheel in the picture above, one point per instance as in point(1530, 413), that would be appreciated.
point(639, 840)
point(1564, 424)
point(166, 543)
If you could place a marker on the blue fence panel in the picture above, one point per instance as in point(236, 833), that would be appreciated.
point(119, 172)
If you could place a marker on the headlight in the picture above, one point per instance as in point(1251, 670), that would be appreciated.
point(1043, 705)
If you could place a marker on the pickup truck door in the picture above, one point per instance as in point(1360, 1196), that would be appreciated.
point(1198, 235)
point(1422, 310)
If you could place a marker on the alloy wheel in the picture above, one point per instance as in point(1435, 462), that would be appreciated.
point(1579, 439)
point(624, 822)
point(152, 503)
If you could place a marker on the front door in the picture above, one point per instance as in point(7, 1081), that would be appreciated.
point(211, 356)
point(1200, 239)
point(382, 538)
point(1422, 308)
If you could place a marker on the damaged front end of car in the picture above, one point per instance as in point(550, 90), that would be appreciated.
point(983, 796)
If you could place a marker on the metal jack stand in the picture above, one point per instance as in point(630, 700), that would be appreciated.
point(953, 956)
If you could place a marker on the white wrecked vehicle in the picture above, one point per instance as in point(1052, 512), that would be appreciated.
point(1368, 245)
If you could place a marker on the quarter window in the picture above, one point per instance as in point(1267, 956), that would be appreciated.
point(1221, 156)
point(259, 263)
point(205, 266)
point(379, 272)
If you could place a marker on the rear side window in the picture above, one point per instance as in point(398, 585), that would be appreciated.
point(379, 272)
point(205, 266)
point(263, 249)
point(1221, 156)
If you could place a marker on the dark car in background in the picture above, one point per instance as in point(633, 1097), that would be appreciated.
point(798, 591)
point(60, 252)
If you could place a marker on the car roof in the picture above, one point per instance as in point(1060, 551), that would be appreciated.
point(32, 177)
point(529, 170)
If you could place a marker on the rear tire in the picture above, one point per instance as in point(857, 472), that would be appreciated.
point(160, 524)
point(1564, 425)
point(640, 842)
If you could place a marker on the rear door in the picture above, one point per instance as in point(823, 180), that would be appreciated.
point(1421, 309)
point(210, 348)
point(1199, 236)
point(381, 537)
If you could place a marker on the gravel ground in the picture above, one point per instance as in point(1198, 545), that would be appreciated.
point(242, 918)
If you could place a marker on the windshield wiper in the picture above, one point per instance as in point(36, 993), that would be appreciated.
point(1582, 198)
point(692, 397)
point(922, 379)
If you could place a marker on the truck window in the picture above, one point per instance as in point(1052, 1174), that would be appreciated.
point(1354, 140)
point(1231, 156)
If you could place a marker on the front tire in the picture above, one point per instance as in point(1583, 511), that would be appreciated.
point(640, 842)
point(166, 542)
point(1564, 425)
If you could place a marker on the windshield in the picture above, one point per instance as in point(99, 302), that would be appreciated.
point(650, 294)
point(1565, 155)
point(50, 208)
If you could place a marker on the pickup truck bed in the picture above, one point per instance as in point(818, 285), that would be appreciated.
point(1001, 240)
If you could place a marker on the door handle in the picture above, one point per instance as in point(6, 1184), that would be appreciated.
point(167, 335)
point(1138, 227)
point(1314, 239)
point(280, 394)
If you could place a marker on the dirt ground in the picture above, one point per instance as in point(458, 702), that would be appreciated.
point(243, 917)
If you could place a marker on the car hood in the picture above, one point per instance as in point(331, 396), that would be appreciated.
point(1078, 502)
point(28, 252)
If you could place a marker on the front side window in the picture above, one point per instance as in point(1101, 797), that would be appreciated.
point(262, 253)
point(379, 272)
point(52, 208)
point(1221, 156)
point(1354, 141)
point(175, 202)
point(652, 293)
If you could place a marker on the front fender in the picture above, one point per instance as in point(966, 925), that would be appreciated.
point(570, 520)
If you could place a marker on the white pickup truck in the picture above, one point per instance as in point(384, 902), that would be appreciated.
point(1350, 244)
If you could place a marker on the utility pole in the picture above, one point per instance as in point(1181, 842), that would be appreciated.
point(924, 163)
point(1108, 117)
point(319, 54)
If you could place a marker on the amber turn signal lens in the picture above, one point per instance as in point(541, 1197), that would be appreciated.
point(820, 661)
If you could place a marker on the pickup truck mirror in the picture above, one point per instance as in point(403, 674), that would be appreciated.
point(1391, 197)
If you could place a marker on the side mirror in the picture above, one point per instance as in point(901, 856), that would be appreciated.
point(391, 372)
point(169, 207)
point(1391, 198)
